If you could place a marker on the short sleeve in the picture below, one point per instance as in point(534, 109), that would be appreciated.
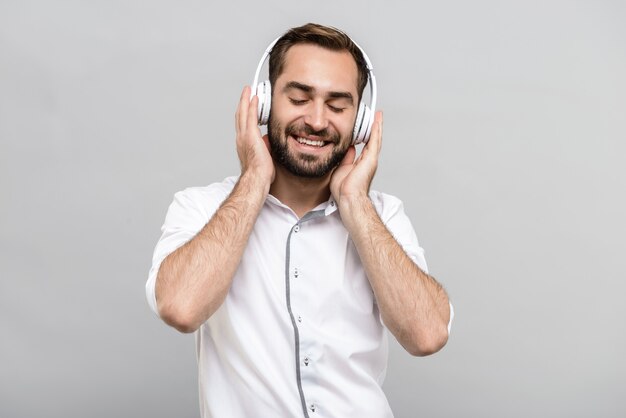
point(391, 212)
point(189, 212)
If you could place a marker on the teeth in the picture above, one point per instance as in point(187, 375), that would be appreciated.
point(309, 142)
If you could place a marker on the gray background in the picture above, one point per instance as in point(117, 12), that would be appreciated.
point(504, 136)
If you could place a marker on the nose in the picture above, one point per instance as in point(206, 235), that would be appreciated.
point(316, 116)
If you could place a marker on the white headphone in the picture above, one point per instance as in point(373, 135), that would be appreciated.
point(364, 116)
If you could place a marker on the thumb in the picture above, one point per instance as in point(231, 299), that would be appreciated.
point(266, 141)
point(348, 159)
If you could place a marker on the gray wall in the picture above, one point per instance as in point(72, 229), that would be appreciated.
point(504, 134)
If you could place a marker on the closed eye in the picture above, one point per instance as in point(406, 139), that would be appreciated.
point(336, 109)
point(297, 102)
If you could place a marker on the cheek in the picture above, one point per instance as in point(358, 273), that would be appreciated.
point(284, 110)
point(347, 127)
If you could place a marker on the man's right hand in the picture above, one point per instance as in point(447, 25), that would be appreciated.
point(193, 281)
point(252, 148)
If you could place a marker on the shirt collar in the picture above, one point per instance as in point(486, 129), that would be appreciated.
point(329, 206)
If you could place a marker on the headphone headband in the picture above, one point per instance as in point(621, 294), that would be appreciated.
point(262, 61)
point(365, 114)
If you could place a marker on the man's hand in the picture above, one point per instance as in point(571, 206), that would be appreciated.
point(413, 306)
point(352, 179)
point(252, 149)
point(193, 281)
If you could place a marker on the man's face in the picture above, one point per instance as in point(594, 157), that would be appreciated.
point(314, 105)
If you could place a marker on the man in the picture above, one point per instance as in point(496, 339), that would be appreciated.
point(289, 273)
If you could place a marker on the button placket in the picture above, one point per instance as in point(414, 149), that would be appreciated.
point(300, 291)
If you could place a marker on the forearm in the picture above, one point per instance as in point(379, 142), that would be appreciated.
point(193, 280)
point(413, 306)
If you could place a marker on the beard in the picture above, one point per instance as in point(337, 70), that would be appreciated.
point(301, 164)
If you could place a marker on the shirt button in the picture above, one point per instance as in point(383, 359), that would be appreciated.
point(295, 272)
point(306, 361)
point(312, 407)
point(296, 228)
point(332, 203)
point(299, 318)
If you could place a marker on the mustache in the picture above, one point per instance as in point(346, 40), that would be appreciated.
point(294, 130)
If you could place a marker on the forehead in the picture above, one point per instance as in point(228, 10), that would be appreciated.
point(320, 68)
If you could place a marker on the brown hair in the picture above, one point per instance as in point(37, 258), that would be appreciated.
point(324, 36)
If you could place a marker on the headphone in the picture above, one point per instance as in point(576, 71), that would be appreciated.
point(364, 116)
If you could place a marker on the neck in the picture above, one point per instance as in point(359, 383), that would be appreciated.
point(299, 193)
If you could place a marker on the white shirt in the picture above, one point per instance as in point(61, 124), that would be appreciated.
point(299, 333)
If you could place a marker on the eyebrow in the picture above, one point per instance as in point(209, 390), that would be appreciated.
point(309, 89)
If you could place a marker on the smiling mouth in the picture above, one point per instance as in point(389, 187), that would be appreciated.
point(310, 142)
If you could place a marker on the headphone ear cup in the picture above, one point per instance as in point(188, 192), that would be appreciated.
point(264, 93)
point(358, 123)
point(362, 125)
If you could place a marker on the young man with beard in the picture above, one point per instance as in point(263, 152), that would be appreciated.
point(290, 272)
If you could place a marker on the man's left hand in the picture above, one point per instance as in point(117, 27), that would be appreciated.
point(352, 178)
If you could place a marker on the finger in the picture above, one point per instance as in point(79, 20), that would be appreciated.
point(252, 118)
point(373, 146)
point(266, 140)
point(242, 110)
point(380, 130)
point(377, 130)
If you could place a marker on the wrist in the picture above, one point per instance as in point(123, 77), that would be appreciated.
point(356, 201)
point(355, 207)
point(252, 188)
point(256, 180)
